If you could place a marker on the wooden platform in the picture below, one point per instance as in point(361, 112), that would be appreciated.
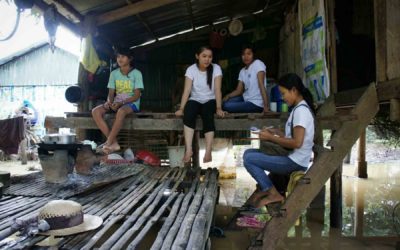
point(177, 204)
point(168, 121)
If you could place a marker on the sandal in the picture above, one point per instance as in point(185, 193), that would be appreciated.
point(250, 222)
point(253, 211)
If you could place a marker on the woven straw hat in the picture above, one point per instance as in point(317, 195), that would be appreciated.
point(66, 218)
point(235, 27)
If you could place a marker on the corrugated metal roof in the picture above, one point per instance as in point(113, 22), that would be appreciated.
point(41, 67)
point(171, 18)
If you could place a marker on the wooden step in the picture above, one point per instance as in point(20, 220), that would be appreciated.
point(323, 167)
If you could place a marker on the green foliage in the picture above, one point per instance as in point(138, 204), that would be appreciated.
point(386, 129)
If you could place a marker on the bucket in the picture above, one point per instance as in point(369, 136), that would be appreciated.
point(74, 94)
point(176, 154)
point(55, 167)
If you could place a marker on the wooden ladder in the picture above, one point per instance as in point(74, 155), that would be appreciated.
point(322, 168)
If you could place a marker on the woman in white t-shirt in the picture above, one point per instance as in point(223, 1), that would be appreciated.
point(301, 142)
point(250, 95)
point(201, 96)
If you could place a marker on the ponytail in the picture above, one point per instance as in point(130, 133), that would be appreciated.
point(210, 70)
point(307, 96)
point(292, 80)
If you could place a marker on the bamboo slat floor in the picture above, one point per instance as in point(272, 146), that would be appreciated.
point(155, 208)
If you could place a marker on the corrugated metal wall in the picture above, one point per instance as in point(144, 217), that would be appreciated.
point(41, 67)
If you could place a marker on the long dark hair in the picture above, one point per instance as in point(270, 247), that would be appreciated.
point(210, 68)
point(292, 80)
point(126, 52)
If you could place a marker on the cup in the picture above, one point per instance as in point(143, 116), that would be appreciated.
point(284, 107)
point(273, 106)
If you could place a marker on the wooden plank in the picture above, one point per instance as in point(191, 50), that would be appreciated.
point(176, 124)
point(147, 26)
point(380, 20)
point(361, 170)
point(393, 38)
point(331, 37)
point(322, 169)
point(131, 10)
point(395, 109)
point(387, 90)
point(67, 10)
point(63, 20)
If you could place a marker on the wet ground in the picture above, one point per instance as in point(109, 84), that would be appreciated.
point(371, 210)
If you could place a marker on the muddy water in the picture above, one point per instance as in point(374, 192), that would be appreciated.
point(371, 207)
point(371, 216)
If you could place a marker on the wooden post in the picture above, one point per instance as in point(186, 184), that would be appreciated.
point(347, 159)
point(361, 171)
point(380, 16)
point(24, 158)
point(336, 199)
point(395, 109)
point(83, 106)
point(196, 149)
point(359, 209)
point(330, 6)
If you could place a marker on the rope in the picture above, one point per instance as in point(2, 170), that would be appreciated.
point(15, 27)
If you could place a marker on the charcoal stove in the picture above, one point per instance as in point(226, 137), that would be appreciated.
point(58, 160)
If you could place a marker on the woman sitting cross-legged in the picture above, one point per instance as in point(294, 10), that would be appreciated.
point(298, 137)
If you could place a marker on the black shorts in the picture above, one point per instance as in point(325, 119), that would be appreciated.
point(205, 110)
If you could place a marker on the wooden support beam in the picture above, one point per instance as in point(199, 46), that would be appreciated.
point(147, 26)
point(359, 209)
point(336, 195)
point(63, 20)
point(330, 5)
point(395, 110)
point(380, 12)
point(67, 10)
point(131, 10)
point(176, 124)
point(190, 11)
point(387, 90)
point(361, 171)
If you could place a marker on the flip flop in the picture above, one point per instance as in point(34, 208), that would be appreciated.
point(250, 222)
point(252, 209)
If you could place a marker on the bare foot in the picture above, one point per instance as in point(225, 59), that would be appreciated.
point(253, 199)
point(207, 157)
point(187, 157)
point(108, 149)
point(271, 198)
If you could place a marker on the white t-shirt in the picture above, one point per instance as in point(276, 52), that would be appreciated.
point(201, 92)
point(249, 78)
point(303, 118)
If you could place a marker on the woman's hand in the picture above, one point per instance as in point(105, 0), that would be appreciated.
point(107, 105)
point(264, 134)
point(116, 105)
point(179, 113)
point(226, 98)
point(266, 109)
point(220, 112)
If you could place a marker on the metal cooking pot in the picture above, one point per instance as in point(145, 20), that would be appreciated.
point(59, 138)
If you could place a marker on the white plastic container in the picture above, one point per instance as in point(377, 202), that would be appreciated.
point(176, 154)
